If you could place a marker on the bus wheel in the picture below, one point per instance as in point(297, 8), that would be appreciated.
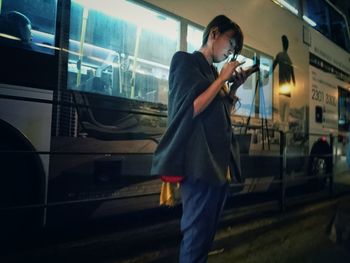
point(22, 182)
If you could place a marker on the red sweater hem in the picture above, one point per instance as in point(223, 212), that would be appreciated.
point(171, 179)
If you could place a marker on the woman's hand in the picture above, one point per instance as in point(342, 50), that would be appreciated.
point(238, 79)
point(228, 69)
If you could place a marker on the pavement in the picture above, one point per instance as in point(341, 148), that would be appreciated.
point(317, 232)
point(313, 232)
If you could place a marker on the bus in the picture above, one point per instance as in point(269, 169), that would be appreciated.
point(84, 89)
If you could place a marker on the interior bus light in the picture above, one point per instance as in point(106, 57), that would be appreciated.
point(9, 37)
point(47, 46)
point(309, 21)
point(287, 5)
point(122, 9)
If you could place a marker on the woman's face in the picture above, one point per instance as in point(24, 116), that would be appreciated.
point(223, 46)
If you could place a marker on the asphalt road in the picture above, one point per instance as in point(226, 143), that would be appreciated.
point(251, 233)
point(299, 236)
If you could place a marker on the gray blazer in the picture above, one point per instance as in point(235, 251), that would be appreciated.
point(201, 147)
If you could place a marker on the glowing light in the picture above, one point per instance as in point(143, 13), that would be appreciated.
point(309, 21)
point(285, 89)
point(47, 46)
point(287, 6)
point(140, 16)
point(9, 37)
point(338, 151)
point(277, 2)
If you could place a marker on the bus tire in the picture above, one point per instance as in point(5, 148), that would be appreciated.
point(22, 182)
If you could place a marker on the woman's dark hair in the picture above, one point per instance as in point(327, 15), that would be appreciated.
point(223, 23)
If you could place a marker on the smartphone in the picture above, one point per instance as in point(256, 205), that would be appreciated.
point(249, 71)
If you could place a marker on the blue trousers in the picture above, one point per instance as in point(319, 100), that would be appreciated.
point(202, 205)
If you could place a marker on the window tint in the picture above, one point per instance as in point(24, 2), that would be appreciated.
point(121, 49)
point(28, 24)
point(338, 27)
point(343, 110)
point(328, 21)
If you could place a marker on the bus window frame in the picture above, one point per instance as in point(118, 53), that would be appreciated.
point(140, 104)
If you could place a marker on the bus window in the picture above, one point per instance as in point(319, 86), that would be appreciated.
point(327, 20)
point(121, 49)
point(265, 87)
point(246, 92)
point(317, 13)
point(339, 29)
point(28, 24)
point(194, 38)
point(255, 102)
point(343, 110)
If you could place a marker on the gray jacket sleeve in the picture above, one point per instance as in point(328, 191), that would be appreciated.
point(186, 83)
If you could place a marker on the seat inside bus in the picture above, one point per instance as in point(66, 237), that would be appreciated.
point(15, 29)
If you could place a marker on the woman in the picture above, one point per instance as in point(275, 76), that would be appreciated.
point(199, 149)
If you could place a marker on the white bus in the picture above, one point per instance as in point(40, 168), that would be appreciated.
point(83, 102)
